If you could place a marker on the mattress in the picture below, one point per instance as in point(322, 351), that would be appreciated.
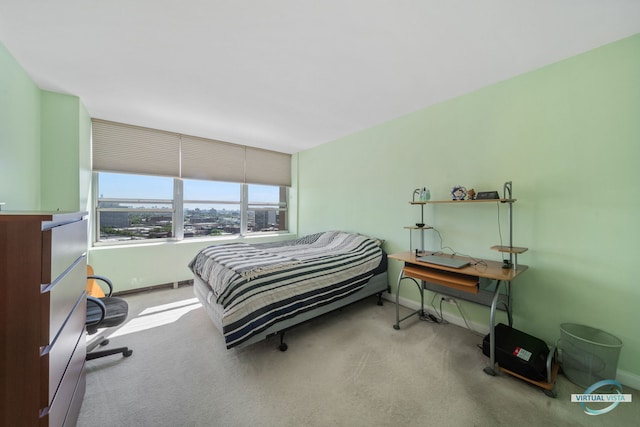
point(251, 289)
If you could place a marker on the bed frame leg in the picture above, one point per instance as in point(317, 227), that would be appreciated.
point(283, 345)
point(380, 298)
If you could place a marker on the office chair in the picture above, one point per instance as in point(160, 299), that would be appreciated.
point(103, 311)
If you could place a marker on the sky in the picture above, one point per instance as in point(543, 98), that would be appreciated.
point(126, 186)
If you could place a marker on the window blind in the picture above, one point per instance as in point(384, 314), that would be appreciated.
point(119, 147)
point(214, 160)
point(267, 167)
point(126, 148)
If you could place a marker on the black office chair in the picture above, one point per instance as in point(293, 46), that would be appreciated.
point(104, 312)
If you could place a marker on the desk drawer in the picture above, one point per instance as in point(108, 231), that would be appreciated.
point(60, 298)
point(462, 282)
point(62, 246)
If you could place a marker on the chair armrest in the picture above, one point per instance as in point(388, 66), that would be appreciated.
point(104, 280)
point(95, 302)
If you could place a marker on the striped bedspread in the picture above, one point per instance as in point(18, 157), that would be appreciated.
point(258, 285)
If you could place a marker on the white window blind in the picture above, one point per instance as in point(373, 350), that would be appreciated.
point(126, 148)
point(212, 160)
point(267, 167)
point(132, 149)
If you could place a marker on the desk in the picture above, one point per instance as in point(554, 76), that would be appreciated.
point(466, 283)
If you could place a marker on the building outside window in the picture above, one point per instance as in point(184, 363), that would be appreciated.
point(131, 207)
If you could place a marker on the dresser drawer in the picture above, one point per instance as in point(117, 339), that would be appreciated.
point(68, 397)
point(68, 347)
point(62, 246)
point(60, 297)
point(76, 400)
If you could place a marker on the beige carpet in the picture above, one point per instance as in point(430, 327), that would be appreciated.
point(349, 368)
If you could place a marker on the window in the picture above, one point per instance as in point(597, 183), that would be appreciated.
point(134, 207)
point(154, 184)
point(211, 208)
point(142, 207)
point(267, 208)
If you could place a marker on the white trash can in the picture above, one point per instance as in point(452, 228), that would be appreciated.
point(588, 355)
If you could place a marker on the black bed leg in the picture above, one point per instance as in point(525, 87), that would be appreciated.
point(283, 345)
point(380, 298)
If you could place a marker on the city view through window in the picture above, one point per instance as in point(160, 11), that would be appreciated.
point(137, 207)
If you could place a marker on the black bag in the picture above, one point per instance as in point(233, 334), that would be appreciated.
point(519, 352)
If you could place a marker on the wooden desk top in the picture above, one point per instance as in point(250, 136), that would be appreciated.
point(479, 267)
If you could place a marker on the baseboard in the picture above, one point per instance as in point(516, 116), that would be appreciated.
point(623, 377)
point(173, 285)
point(629, 379)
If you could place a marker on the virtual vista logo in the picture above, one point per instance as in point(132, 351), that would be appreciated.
point(591, 403)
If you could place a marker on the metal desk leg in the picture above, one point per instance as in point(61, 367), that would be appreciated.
point(419, 312)
point(397, 325)
point(490, 370)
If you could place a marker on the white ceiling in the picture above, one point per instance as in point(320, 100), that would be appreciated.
point(288, 75)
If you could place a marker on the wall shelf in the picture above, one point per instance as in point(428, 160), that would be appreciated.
point(513, 251)
point(433, 202)
point(509, 249)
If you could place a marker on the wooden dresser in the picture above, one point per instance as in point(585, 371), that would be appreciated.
point(42, 317)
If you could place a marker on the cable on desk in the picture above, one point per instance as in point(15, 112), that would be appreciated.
point(442, 247)
point(474, 261)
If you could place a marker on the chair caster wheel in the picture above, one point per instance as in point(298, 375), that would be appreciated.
point(104, 342)
point(283, 347)
point(127, 353)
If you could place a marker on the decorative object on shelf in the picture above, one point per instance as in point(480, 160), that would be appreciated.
point(471, 194)
point(423, 194)
point(458, 192)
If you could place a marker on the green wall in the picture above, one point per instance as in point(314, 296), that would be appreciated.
point(45, 144)
point(566, 135)
point(19, 136)
point(65, 150)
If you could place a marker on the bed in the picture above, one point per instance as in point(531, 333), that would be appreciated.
point(254, 291)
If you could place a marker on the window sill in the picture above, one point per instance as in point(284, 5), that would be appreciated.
point(197, 241)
